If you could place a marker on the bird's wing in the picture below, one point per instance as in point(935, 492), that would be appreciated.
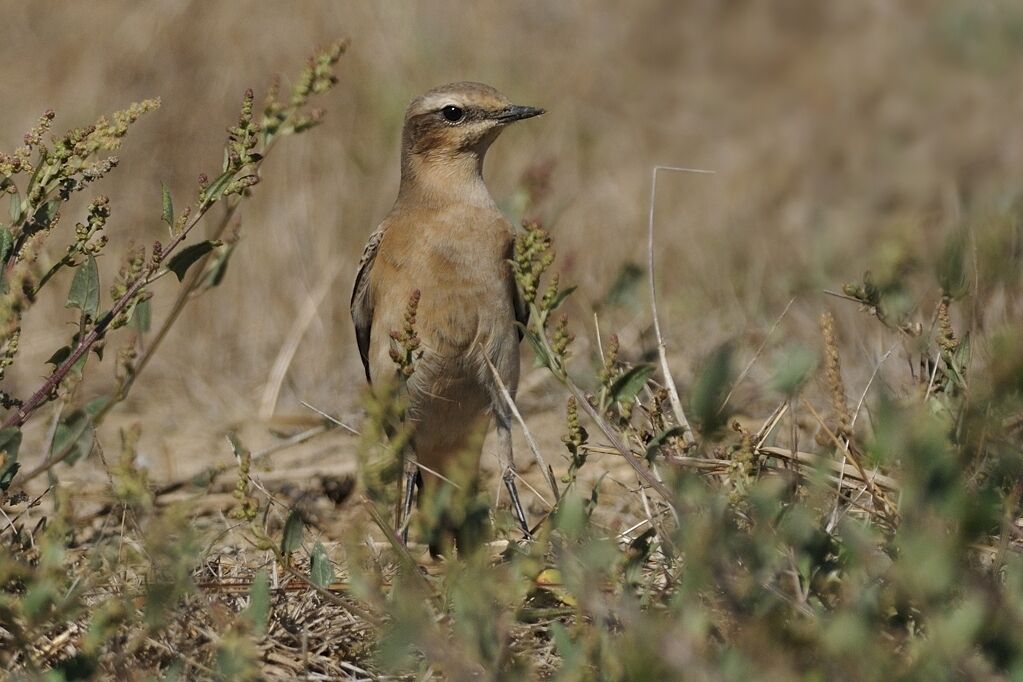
point(362, 301)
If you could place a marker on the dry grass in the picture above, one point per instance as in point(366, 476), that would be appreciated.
point(824, 151)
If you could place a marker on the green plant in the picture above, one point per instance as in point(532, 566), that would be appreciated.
point(129, 590)
point(882, 554)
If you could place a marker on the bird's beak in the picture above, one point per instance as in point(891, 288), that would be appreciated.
point(515, 112)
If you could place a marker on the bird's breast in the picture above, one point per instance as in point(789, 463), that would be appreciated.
point(458, 262)
point(466, 301)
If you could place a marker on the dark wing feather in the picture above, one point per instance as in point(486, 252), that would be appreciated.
point(362, 300)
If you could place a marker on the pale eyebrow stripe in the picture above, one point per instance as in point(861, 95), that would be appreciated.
point(439, 101)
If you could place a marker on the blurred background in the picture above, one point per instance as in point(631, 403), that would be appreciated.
point(844, 137)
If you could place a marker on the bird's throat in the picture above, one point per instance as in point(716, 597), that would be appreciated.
point(439, 179)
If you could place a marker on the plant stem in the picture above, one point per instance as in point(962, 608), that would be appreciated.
point(179, 305)
point(669, 382)
point(18, 417)
point(561, 375)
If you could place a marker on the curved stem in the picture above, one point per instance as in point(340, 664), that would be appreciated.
point(676, 403)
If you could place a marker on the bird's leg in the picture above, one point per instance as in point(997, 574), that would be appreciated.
point(508, 470)
point(411, 478)
point(520, 514)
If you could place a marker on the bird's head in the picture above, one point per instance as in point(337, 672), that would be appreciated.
point(456, 121)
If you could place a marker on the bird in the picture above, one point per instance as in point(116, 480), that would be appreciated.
point(447, 243)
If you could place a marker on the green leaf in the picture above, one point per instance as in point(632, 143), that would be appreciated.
point(75, 433)
point(562, 295)
point(573, 657)
point(570, 516)
point(215, 189)
point(42, 166)
point(657, 441)
point(258, 611)
point(84, 293)
point(710, 388)
point(10, 442)
point(97, 405)
point(321, 571)
point(45, 214)
point(7, 474)
point(624, 290)
point(957, 378)
point(294, 528)
point(15, 209)
point(187, 257)
point(59, 356)
point(6, 242)
point(795, 367)
point(960, 360)
point(542, 359)
point(38, 597)
point(167, 205)
point(627, 386)
point(142, 316)
point(952, 271)
point(219, 269)
point(79, 367)
point(204, 478)
point(239, 449)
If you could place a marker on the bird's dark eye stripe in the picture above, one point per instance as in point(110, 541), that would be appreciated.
point(452, 114)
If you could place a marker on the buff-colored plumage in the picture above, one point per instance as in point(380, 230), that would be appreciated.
point(446, 238)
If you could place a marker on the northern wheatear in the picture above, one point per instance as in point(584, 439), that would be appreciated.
point(446, 238)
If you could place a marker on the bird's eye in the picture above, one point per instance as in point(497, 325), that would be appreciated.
point(452, 114)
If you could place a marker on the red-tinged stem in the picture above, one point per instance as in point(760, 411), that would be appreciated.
point(18, 417)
